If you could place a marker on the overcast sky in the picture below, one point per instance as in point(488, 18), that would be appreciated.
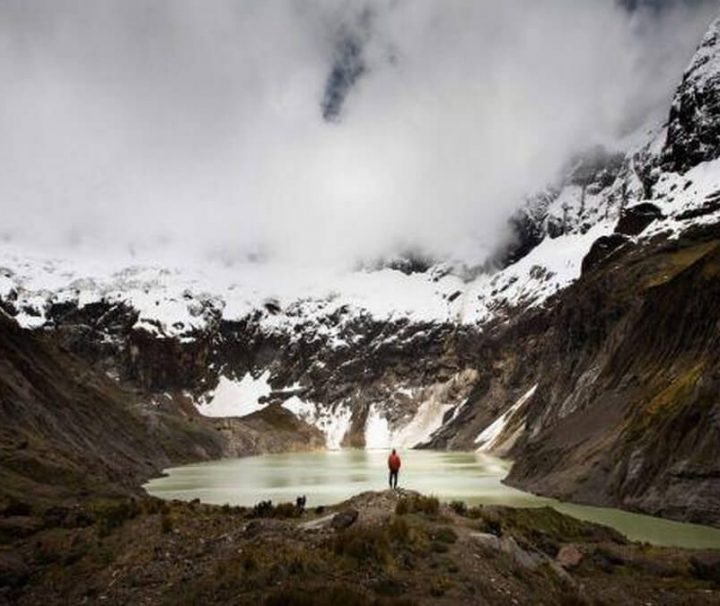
point(311, 131)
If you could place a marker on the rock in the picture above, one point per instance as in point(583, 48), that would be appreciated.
point(318, 524)
point(522, 557)
point(338, 521)
point(635, 219)
point(344, 519)
point(254, 528)
point(487, 540)
point(569, 556)
point(602, 250)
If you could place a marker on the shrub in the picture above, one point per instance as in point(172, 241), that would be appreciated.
point(399, 530)
point(418, 504)
point(439, 585)
point(370, 545)
point(152, 506)
point(265, 509)
point(285, 510)
point(459, 507)
point(113, 515)
point(403, 506)
point(474, 512)
point(444, 534)
point(439, 547)
point(166, 525)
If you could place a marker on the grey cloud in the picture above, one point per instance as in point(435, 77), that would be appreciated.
point(311, 131)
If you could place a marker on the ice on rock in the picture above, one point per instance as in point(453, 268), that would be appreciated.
point(237, 398)
point(488, 438)
point(377, 430)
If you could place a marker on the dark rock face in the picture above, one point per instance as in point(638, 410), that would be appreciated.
point(635, 219)
point(694, 127)
point(624, 363)
point(348, 66)
point(628, 417)
point(602, 250)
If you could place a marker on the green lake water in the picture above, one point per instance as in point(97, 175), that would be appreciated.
point(333, 476)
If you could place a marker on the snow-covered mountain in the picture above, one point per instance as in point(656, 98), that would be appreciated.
point(449, 356)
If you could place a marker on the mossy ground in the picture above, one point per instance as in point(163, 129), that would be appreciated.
point(402, 550)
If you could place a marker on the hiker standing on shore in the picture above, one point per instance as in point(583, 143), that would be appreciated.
point(394, 467)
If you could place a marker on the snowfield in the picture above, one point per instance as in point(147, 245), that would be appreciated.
point(178, 303)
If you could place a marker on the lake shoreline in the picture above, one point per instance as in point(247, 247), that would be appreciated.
point(332, 486)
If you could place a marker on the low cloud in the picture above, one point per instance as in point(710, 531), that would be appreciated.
point(313, 131)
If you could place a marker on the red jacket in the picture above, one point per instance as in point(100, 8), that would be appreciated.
point(394, 462)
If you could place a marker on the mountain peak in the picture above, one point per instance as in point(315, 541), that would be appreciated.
point(694, 123)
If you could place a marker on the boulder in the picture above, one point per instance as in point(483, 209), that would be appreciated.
point(520, 556)
point(344, 519)
point(635, 219)
point(602, 250)
point(569, 556)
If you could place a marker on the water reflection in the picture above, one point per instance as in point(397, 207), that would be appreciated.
point(330, 477)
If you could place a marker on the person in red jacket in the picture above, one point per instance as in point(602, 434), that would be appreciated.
point(394, 467)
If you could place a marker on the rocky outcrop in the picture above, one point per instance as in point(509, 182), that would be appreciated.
point(635, 219)
point(603, 250)
point(693, 134)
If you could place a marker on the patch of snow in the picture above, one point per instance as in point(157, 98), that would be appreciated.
point(705, 64)
point(492, 432)
point(236, 398)
point(678, 194)
point(315, 304)
point(299, 407)
point(333, 423)
point(551, 266)
point(427, 420)
point(377, 430)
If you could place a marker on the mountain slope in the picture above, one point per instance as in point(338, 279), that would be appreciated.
point(67, 430)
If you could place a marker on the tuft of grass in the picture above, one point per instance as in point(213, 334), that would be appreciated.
point(15, 507)
point(366, 545)
point(418, 504)
point(265, 509)
point(112, 515)
point(444, 534)
point(439, 586)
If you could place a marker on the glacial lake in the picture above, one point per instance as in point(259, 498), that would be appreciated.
point(329, 477)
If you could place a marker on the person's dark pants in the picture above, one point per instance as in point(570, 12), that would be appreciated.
point(393, 479)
